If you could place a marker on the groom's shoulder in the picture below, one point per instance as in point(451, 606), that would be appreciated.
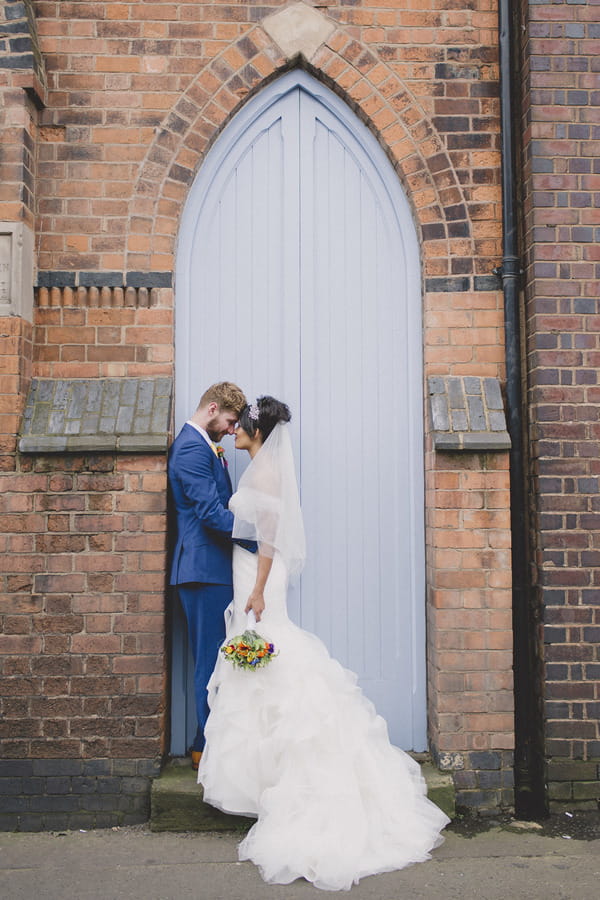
point(188, 436)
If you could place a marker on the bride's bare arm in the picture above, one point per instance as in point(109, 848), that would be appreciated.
point(256, 600)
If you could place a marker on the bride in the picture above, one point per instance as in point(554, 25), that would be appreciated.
point(295, 743)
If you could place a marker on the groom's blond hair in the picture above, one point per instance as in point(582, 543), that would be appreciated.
point(227, 396)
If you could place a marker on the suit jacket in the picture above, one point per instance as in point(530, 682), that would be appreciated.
point(201, 489)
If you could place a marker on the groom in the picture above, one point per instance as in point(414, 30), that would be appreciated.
point(201, 567)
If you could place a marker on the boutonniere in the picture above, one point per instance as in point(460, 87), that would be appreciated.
point(221, 455)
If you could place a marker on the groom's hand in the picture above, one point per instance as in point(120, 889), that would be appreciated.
point(252, 546)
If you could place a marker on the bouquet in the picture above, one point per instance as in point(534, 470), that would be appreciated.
point(248, 651)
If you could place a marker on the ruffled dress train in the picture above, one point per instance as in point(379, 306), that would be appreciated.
point(298, 746)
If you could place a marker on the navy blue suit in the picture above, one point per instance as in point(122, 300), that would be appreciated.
point(201, 567)
point(201, 489)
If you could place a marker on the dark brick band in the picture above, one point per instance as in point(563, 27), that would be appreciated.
point(463, 284)
point(53, 794)
point(484, 779)
point(105, 279)
point(165, 279)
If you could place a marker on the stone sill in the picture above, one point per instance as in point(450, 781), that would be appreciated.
point(143, 443)
point(470, 440)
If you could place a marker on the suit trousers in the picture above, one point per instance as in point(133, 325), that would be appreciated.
point(204, 606)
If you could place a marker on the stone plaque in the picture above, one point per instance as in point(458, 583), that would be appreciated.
point(16, 270)
point(5, 267)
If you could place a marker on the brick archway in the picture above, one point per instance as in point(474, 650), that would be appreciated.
point(353, 71)
point(463, 334)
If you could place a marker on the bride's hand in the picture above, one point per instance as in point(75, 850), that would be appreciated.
point(256, 603)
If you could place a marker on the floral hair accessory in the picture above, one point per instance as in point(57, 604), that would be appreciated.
point(253, 412)
point(249, 651)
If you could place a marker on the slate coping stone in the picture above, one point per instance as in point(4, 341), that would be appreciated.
point(467, 413)
point(131, 415)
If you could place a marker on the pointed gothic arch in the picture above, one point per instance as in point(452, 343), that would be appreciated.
point(351, 69)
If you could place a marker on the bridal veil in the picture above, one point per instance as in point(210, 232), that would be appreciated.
point(266, 504)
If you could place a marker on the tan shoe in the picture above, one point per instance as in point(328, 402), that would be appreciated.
point(196, 757)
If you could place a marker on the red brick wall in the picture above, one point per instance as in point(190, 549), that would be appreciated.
point(96, 341)
point(21, 90)
point(562, 219)
point(15, 376)
point(469, 571)
point(127, 124)
point(22, 85)
point(82, 587)
point(83, 672)
point(136, 93)
point(83, 568)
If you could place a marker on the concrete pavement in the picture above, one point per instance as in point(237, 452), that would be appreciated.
point(137, 864)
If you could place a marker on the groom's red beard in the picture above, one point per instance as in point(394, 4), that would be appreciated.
point(213, 434)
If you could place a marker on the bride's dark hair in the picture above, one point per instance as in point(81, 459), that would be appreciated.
point(270, 413)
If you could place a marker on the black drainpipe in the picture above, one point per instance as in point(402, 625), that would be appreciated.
point(530, 791)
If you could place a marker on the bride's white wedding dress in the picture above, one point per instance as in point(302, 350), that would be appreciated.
point(299, 746)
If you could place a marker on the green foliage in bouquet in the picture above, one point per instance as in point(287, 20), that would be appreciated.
point(248, 651)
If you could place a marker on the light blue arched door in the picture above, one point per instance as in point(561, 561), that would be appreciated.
point(298, 275)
